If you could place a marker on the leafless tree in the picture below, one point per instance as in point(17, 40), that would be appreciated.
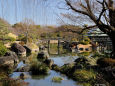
point(28, 24)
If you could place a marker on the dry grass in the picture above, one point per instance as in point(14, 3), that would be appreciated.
point(32, 46)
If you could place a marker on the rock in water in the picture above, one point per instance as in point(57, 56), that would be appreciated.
point(18, 49)
point(22, 76)
point(49, 62)
point(43, 55)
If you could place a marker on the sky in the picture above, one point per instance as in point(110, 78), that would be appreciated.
point(42, 12)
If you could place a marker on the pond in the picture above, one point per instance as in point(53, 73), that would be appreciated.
point(46, 80)
point(61, 60)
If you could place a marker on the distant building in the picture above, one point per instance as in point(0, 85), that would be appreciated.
point(101, 39)
point(84, 48)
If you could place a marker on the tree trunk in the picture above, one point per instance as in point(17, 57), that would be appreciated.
point(112, 37)
point(112, 17)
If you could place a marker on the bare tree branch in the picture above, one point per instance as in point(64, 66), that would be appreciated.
point(103, 9)
point(97, 20)
point(74, 9)
point(87, 28)
point(83, 6)
point(106, 18)
point(88, 6)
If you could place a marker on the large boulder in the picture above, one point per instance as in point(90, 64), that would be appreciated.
point(18, 49)
point(43, 55)
point(10, 59)
point(12, 54)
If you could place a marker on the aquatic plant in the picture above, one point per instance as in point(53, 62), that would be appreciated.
point(57, 79)
point(39, 68)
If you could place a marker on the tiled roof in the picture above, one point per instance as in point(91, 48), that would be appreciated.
point(96, 32)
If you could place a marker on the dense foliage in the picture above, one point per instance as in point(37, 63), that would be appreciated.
point(4, 29)
point(3, 49)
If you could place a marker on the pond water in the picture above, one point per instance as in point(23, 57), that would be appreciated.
point(61, 60)
point(46, 80)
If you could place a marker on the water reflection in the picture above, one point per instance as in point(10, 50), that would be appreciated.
point(46, 80)
point(63, 60)
point(39, 77)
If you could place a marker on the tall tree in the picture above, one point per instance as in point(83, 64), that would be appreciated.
point(4, 29)
point(101, 12)
point(26, 28)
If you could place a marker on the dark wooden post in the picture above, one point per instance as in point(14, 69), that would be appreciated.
point(49, 46)
point(58, 46)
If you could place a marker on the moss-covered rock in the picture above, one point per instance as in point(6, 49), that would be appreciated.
point(66, 68)
point(56, 67)
point(84, 75)
point(81, 60)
